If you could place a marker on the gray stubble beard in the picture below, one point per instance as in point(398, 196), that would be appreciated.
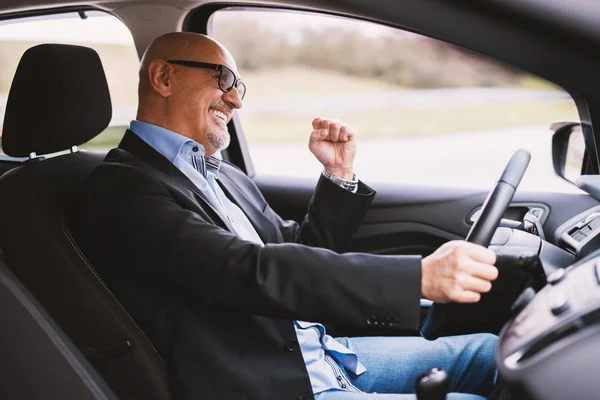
point(217, 140)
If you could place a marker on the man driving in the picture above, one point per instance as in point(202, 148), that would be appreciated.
point(233, 296)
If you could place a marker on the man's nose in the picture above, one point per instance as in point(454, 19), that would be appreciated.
point(233, 97)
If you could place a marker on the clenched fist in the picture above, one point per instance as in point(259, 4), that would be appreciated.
point(334, 144)
point(458, 271)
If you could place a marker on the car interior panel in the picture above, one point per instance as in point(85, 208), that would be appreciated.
point(545, 306)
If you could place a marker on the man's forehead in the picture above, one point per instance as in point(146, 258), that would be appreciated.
point(216, 54)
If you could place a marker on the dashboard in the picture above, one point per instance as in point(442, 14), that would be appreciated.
point(550, 348)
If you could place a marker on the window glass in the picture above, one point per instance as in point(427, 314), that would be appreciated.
point(427, 112)
point(101, 31)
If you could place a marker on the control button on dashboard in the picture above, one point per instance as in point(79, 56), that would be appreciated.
point(595, 223)
point(556, 276)
point(578, 236)
point(536, 211)
point(558, 303)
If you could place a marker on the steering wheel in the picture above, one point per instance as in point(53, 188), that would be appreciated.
point(481, 233)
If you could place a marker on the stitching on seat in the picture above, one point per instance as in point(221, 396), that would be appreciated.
point(95, 273)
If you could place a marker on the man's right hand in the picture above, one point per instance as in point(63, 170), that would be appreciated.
point(458, 271)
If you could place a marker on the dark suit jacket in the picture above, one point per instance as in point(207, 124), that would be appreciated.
point(219, 309)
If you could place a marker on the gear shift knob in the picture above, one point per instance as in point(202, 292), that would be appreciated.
point(432, 385)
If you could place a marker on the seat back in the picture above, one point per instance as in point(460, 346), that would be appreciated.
point(28, 336)
point(71, 106)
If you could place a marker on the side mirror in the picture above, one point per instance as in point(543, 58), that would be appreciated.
point(571, 149)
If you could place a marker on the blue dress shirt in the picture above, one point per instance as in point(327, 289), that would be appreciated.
point(322, 354)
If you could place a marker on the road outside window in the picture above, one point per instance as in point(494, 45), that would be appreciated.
point(427, 112)
point(98, 30)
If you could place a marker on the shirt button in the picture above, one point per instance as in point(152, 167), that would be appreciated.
point(339, 378)
point(292, 345)
point(195, 149)
point(343, 386)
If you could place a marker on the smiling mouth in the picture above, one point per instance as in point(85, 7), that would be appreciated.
point(220, 115)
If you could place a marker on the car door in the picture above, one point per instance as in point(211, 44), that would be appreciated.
point(437, 123)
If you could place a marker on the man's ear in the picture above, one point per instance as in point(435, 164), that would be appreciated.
point(160, 76)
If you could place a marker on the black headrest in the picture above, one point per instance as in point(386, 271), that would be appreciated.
point(59, 98)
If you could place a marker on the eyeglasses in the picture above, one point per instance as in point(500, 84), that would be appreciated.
point(227, 79)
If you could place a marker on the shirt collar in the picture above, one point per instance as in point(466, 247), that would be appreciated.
point(166, 142)
point(213, 164)
point(171, 144)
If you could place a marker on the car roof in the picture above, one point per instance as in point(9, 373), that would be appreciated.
point(581, 16)
point(553, 39)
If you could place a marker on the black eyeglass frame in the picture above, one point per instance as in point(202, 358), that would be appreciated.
point(216, 67)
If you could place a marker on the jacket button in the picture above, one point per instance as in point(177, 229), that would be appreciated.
point(291, 345)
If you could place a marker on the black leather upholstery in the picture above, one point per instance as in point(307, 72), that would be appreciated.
point(7, 165)
point(37, 199)
point(58, 98)
point(28, 336)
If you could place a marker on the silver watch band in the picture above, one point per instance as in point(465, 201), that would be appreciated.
point(351, 186)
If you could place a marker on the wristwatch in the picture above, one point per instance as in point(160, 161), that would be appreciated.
point(351, 186)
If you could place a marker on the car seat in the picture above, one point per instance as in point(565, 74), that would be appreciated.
point(59, 99)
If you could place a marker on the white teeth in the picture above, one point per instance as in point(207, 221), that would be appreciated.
point(219, 114)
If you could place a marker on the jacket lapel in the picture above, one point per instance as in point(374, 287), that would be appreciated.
point(263, 226)
point(136, 146)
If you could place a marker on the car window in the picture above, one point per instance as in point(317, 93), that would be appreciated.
point(101, 31)
point(427, 112)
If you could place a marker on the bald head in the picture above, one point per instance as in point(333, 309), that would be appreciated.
point(188, 99)
point(183, 46)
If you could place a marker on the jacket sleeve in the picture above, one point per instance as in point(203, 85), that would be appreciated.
point(334, 215)
point(134, 227)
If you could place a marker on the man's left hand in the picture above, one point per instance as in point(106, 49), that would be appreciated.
point(334, 144)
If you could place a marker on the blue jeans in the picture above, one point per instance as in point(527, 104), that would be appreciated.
point(394, 363)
